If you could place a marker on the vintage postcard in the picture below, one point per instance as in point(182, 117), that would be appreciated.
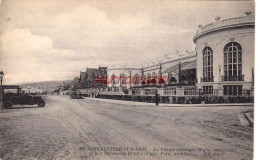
point(132, 79)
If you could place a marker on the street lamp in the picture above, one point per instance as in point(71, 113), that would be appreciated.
point(1, 90)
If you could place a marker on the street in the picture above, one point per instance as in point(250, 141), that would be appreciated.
point(75, 128)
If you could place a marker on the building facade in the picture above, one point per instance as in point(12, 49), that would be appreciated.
point(123, 76)
point(178, 69)
point(96, 77)
point(225, 55)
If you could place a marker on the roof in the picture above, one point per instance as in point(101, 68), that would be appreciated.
point(219, 24)
point(82, 76)
point(184, 66)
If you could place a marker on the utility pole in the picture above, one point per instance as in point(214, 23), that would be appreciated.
point(1, 91)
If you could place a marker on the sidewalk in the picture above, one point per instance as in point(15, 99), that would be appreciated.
point(133, 103)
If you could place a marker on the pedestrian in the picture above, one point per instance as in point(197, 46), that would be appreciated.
point(156, 98)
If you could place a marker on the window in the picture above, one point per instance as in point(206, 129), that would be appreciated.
point(122, 79)
point(233, 62)
point(207, 65)
point(232, 89)
point(208, 89)
point(148, 78)
point(153, 76)
point(113, 80)
point(136, 79)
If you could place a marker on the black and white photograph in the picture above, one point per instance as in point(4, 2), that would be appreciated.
point(127, 80)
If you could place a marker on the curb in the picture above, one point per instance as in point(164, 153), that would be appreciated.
point(167, 105)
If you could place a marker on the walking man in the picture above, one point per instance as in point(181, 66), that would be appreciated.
point(156, 98)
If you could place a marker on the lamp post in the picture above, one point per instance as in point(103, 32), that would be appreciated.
point(1, 90)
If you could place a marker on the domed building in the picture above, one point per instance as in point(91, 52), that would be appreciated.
point(225, 55)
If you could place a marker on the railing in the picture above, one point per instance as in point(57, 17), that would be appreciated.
point(136, 91)
point(150, 92)
point(170, 91)
point(221, 22)
point(231, 20)
point(200, 92)
point(207, 79)
point(207, 26)
point(233, 78)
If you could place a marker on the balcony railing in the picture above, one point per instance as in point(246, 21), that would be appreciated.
point(207, 79)
point(233, 78)
point(170, 91)
point(200, 92)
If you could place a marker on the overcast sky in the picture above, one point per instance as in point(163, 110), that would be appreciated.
point(44, 40)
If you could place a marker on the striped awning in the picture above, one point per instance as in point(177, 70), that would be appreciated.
point(184, 66)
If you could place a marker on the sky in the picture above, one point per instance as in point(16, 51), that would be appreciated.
point(44, 40)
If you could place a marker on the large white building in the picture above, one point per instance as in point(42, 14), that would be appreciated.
point(225, 55)
point(167, 67)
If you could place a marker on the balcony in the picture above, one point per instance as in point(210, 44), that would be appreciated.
point(207, 79)
point(233, 78)
point(192, 91)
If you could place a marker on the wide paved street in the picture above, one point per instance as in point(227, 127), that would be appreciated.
point(74, 128)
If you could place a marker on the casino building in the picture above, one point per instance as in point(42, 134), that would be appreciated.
point(225, 55)
point(220, 68)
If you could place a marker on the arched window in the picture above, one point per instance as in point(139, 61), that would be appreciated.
point(153, 81)
point(136, 79)
point(113, 80)
point(153, 76)
point(160, 74)
point(148, 78)
point(207, 65)
point(143, 78)
point(122, 79)
point(233, 62)
point(148, 75)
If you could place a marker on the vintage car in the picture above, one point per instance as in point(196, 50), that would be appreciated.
point(75, 96)
point(14, 98)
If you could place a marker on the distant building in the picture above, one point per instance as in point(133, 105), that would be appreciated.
point(96, 77)
point(122, 75)
point(82, 80)
point(101, 77)
point(225, 55)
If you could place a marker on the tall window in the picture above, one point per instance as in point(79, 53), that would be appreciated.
point(207, 64)
point(136, 79)
point(122, 79)
point(113, 80)
point(148, 78)
point(233, 62)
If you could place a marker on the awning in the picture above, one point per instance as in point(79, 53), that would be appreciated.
point(184, 66)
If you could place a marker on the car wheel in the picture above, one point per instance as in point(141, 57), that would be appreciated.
point(41, 103)
point(8, 104)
